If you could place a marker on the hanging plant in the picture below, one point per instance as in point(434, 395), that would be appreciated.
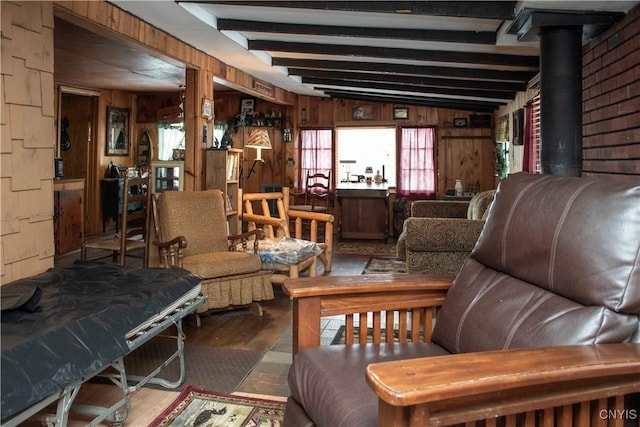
point(500, 161)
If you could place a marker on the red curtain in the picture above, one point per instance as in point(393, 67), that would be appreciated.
point(316, 153)
point(417, 177)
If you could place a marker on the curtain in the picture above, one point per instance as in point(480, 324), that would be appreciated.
point(316, 154)
point(169, 137)
point(417, 177)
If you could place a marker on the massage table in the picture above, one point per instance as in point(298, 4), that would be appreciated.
point(69, 325)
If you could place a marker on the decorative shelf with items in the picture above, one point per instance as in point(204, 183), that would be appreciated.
point(167, 176)
point(223, 173)
point(258, 120)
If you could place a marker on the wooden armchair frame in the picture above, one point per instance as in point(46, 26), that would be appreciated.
point(585, 385)
point(279, 226)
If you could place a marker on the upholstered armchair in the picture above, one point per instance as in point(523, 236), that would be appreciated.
point(439, 235)
point(539, 327)
point(191, 233)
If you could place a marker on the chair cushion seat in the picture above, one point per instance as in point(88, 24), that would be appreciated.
point(218, 264)
point(344, 397)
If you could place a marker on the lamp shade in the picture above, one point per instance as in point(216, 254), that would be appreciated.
point(259, 138)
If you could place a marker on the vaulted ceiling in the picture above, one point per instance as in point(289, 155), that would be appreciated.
point(472, 55)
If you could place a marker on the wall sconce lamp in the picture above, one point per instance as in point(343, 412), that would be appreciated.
point(303, 115)
point(258, 139)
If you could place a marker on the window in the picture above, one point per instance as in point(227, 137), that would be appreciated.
point(359, 148)
point(170, 137)
point(316, 150)
point(417, 177)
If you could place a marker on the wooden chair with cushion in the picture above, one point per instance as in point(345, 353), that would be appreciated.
point(134, 223)
point(540, 326)
point(256, 213)
point(191, 229)
point(316, 196)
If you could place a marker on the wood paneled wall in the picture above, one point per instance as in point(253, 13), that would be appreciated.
point(466, 153)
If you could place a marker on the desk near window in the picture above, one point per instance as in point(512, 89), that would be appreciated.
point(364, 210)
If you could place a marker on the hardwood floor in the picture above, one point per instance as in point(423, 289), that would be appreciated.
point(240, 330)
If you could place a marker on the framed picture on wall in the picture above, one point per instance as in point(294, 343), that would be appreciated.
point(117, 143)
point(400, 113)
point(247, 105)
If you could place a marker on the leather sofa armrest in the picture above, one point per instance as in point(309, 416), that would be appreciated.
point(442, 234)
point(459, 388)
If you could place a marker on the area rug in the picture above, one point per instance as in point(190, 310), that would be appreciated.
point(198, 407)
point(209, 367)
point(383, 265)
point(363, 247)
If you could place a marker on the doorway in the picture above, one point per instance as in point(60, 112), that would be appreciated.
point(77, 118)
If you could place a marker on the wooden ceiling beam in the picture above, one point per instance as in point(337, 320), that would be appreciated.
point(502, 10)
point(409, 79)
point(407, 69)
point(396, 53)
point(320, 83)
point(474, 37)
point(452, 103)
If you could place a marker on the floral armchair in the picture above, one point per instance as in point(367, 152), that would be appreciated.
point(439, 235)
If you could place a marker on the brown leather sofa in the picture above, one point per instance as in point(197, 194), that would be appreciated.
point(439, 235)
point(544, 314)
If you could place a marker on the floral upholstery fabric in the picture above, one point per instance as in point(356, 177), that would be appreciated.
point(440, 245)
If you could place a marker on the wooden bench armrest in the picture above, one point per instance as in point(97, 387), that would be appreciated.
point(314, 298)
point(317, 216)
point(263, 220)
point(460, 388)
point(354, 285)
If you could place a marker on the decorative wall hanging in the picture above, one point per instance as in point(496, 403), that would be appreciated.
point(400, 113)
point(65, 140)
point(207, 109)
point(117, 143)
point(460, 122)
point(247, 105)
point(518, 124)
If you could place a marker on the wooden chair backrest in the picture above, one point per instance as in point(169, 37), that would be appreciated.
point(262, 204)
point(135, 222)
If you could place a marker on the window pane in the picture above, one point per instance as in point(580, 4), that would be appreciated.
point(366, 147)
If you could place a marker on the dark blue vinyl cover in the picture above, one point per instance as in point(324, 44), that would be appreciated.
point(85, 311)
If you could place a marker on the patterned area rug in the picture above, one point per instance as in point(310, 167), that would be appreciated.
point(380, 265)
point(197, 407)
point(364, 247)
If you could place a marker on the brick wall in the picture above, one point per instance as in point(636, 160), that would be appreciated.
point(611, 100)
point(27, 139)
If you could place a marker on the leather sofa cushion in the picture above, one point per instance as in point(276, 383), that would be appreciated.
point(489, 310)
point(219, 264)
point(589, 255)
point(344, 399)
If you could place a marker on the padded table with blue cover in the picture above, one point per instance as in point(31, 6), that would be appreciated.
point(66, 325)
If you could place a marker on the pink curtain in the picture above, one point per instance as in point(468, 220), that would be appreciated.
point(316, 154)
point(528, 160)
point(416, 172)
